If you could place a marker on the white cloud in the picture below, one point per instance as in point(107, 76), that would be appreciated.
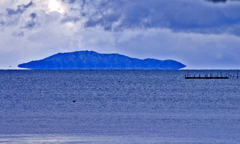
point(194, 50)
point(60, 27)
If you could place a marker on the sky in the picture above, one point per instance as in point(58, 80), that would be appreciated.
point(202, 34)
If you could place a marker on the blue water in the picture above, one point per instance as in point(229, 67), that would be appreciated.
point(118, 106)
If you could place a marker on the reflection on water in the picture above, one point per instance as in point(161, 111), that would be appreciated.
point(40, 139)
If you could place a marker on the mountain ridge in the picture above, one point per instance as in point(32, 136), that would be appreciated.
point(94, 60)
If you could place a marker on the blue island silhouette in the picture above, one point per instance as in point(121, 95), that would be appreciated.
point(94, 60)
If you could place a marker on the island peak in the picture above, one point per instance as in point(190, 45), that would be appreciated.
point(93, 60)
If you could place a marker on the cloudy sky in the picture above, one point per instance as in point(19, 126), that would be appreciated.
point(202, 34)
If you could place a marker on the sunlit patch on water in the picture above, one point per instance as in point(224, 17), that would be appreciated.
point(76, 139)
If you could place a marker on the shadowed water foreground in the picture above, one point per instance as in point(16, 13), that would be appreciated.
point(117, 106)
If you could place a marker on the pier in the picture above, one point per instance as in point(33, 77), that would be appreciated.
point(186, 77)
point(210, 76)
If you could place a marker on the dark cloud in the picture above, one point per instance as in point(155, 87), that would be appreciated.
point(81, 2)
point(181, 15)
point(106, 21)
point(69, 1)
point(70, 19)
point(220, 1)
point(20, 9)
point(30, 25)
point(33, 15)
point(217, 1)
point(74, 19)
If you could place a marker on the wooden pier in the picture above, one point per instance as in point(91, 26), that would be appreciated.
point(211, 76)
point(186, 77)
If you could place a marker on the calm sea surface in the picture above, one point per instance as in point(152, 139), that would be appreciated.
point(118, 106)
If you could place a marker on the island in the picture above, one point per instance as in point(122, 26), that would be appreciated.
point(94, 60)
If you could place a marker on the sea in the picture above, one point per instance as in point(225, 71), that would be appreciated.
point(119, 107)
